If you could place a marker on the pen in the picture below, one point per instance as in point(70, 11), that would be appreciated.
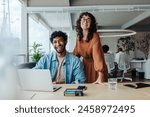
point(33, 96)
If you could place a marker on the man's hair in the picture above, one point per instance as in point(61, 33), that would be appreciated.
point(105, 48)
point(58, 34)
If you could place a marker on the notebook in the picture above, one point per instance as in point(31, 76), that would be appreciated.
point(36, 80)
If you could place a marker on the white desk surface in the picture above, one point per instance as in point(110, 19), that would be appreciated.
point(138, 61)
point(138, 64)
point(93, 92)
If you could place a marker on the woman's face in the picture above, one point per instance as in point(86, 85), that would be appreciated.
point(85, 22)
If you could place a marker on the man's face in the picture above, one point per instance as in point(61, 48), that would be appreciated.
point(59, 44)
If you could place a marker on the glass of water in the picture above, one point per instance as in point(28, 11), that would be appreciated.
point(112, 83)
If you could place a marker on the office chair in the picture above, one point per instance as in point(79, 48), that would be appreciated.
point(29, 65)
point(109, 59)
point(124, 65)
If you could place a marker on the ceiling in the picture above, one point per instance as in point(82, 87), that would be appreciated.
point(114, 14)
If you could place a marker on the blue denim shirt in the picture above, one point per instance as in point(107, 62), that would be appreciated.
point(72, 67)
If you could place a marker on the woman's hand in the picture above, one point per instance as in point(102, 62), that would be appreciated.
point(99, 79)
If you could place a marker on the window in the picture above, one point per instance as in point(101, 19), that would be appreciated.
point(39, 34)
point(10, 26)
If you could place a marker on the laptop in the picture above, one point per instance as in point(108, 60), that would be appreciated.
point(36, 80)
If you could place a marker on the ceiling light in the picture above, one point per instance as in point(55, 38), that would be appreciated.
point(116, 32)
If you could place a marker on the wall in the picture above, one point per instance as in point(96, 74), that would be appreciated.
point(111, 42)
point(71, 40)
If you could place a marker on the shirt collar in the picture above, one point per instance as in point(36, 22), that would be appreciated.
point(66, 59)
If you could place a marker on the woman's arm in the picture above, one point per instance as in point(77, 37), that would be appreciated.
point(99, 62)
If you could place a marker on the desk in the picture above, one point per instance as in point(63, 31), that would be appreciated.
point(142, 65)
point(94, 92)
point(137, 64)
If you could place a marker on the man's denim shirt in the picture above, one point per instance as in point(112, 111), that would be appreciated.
point(72, 67)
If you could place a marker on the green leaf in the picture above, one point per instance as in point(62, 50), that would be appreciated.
point(36, 51)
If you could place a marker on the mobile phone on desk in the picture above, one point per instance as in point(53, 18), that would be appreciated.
point(82, 87)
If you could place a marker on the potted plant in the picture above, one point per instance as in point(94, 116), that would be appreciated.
point(127, 44)
point(142, 42)
point(36, 52)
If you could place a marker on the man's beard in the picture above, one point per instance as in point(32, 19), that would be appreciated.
point(60, 52)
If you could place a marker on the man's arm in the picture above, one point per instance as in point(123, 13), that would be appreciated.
point(40, 63)
point(78, 71)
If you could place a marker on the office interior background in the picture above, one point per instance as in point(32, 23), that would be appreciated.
point(24, 22)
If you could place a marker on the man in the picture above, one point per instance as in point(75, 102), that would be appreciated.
point(64, 66)
point(109, 59)
point(105, 48)
point(117, 56)
point(119, 61)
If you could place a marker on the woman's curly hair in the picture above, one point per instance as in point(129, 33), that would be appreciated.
point(92, 29)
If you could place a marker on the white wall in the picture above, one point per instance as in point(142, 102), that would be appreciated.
point(71, 40)
point(111, 42)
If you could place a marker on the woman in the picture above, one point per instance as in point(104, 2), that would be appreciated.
point(89, 47)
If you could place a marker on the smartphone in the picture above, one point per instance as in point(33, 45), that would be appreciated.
point(82, 87)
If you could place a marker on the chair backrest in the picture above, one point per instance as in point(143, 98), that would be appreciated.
point(109, 59)
point(124, 63)
point(29, 65)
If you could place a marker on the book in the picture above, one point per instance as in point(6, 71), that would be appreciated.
point(73, 92)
